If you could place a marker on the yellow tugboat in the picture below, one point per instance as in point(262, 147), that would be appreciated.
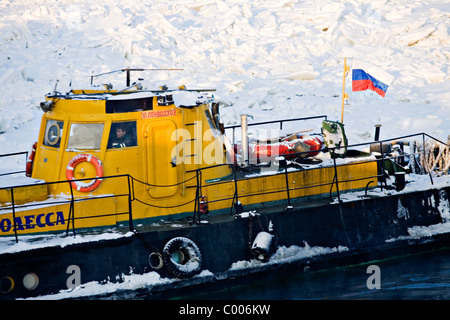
point(132, 160)
point(140, 153)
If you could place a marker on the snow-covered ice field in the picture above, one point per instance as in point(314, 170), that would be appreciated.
point(269, 59)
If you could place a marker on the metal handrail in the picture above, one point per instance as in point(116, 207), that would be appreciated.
point(71, 201)
point(199, 184)
point(336, 179)
point(233, 127)
point(279, 121)
point(286, 173)
point(14, 154)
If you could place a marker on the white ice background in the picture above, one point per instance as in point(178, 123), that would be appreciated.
point(269, 59)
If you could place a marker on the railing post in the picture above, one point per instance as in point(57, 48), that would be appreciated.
point(14, 214)
point(197, 196)
point(234, 139)
point(336, 176)
point(283, 163)
point(130, 206)
point(236, 205)
point(425, 162)
point(71, 211)
point(383, 176)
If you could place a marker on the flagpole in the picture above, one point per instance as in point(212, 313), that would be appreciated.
point(344, 95)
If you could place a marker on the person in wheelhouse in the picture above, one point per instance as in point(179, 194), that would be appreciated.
point(122, 135)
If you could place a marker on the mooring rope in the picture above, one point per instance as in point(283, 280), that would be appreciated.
point(434, 157)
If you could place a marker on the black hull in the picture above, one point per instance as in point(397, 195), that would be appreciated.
point(199, 287)
point(369, 228)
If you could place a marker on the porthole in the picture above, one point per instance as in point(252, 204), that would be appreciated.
point(31, 281)
point(53, 134)
point(6, 284)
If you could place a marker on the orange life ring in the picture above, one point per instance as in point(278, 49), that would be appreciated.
point(80, 185)
point(30, 161)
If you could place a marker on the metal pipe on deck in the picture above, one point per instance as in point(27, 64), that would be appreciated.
point(377, 132)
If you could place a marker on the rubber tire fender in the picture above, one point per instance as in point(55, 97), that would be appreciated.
point(189, 257)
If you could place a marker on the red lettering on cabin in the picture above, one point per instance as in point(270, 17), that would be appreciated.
point(158, 113)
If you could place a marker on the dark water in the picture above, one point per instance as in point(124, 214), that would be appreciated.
point(421, 276)
point(417, 276)
point(294, 295)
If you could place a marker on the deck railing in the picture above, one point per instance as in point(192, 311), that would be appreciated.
point(398, 159)
point(197, 182)
point(23, 153)
point(71, 201)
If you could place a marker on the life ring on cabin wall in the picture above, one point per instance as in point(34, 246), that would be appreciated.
point(182, 257)
point(80, 185)
point(30, 161)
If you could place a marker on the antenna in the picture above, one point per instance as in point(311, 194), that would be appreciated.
point(56, 84)
point(76, 56)
point(128, 71)
point(143, 69)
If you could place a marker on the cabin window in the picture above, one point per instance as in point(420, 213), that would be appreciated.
point(53, 132)
point(122, 135)
point(116, 105)
point(85, 135)
point(166, 100)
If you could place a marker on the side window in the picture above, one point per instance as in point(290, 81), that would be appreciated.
point(53, 133)
point(122, 135)
point(85, 136)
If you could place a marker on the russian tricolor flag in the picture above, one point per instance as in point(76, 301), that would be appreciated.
point(366, 76)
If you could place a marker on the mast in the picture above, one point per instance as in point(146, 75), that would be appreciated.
point(344, 95)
